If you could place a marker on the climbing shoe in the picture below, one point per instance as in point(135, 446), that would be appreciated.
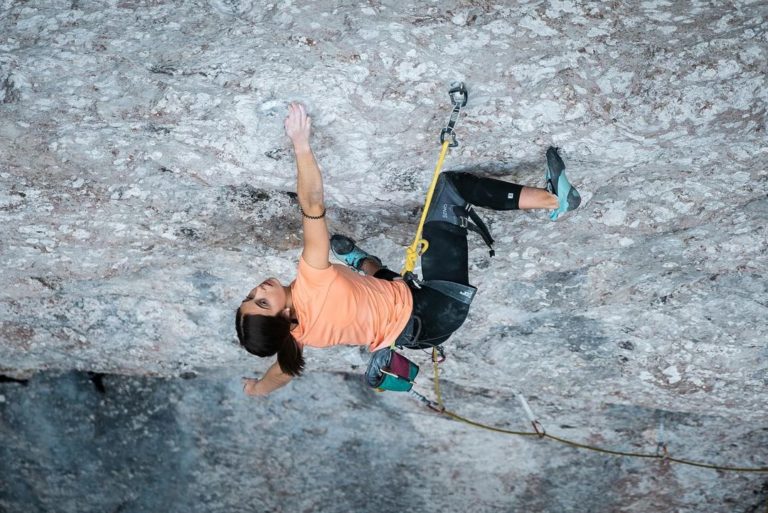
point(345, 250)
point(558, 184)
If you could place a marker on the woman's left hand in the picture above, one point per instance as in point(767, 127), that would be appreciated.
point(251, 387)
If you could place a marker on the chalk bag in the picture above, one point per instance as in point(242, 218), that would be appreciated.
point(389, 370)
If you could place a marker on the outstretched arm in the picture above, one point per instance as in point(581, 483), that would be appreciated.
point(273, 379)
point(309, 188)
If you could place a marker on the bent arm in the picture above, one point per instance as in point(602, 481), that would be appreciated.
point(309, 188)
point(273, 379)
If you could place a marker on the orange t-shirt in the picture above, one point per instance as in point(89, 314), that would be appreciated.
point(338, 306)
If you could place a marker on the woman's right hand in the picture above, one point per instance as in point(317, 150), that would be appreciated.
point(298, 125)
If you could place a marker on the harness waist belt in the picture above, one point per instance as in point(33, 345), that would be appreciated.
point(462, 293)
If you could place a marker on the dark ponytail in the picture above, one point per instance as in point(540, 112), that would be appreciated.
point(264, 335)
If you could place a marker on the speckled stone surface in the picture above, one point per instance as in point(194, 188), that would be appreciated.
point(145, 187)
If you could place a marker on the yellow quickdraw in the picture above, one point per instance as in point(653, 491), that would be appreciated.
point(459, 95)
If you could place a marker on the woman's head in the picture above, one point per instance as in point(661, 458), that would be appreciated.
point(263, 324)
point(270, 298)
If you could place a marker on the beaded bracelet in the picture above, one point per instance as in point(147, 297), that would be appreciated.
point(312, 217)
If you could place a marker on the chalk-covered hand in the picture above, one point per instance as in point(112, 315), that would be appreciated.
point(298, 125)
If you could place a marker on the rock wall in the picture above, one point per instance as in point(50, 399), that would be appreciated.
point(145, 187)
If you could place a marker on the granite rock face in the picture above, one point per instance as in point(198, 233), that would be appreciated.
point(146, 185)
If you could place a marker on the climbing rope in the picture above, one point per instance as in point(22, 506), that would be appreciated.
point(439, 406)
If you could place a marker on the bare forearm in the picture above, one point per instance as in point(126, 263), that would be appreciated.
point(309, 181)
point(309, 187)
point(273, 379)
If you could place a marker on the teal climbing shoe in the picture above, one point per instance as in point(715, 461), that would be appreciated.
point(558, 184)
point(345, 250)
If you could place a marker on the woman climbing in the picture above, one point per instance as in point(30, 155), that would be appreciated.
point(329, 304)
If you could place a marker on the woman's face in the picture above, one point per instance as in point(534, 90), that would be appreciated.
point(267, 298)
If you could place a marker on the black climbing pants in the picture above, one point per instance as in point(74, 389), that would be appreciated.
point(447, 256)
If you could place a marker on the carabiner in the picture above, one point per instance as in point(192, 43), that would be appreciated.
point(450, 131)
point(458, 94)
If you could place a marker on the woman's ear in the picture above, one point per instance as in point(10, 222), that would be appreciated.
point(286, 313)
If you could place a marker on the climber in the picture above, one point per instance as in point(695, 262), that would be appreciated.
point(329, 304)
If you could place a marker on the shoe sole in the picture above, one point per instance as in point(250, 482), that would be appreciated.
point(341, 244)
point(555, 167)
